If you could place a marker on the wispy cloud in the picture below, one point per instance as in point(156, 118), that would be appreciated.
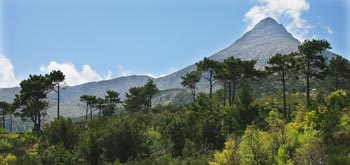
point(127, 72)
point(287, 11)
point(150, 75)
point(329, 30)
point(7, 74)
point(123, 71)
point(74, 76)
point(170, 71)
point(109, 75)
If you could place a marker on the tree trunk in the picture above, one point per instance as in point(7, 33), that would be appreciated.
point(284, 95)
point(10, 122)
point(308, 85)
point(3, 118)
point(194, 94)
point(211, 85)
point(86, 114)
point(225, 93)
point(36, 120)
point(230, 93)
point(234, 91)
point(58, 101)
point(289, 111)
point(90, 114)
point(39, 120)
point(336, 81)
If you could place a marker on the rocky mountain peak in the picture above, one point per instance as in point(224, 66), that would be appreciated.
point(266, 30)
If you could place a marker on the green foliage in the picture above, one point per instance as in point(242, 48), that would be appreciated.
point(246, 111)
point(283, 65)
point(310, 150)
point(61, 131)
point(190, 81)
point(90, 101)
point(140, 98)
point(8, 159)
point(176, 130)
point(56, 154)
point(339, 69)
point(228, 156)
point(123, 139)
point(253, 147)
point(4, 110)
point(5, 145)
point(56, 77)
point(32, 99)
point(311, 62)
point(248, 130)
point(111, 100)
point(232, 71)
point(88, 147)
point(209, 69)
point(283, 157)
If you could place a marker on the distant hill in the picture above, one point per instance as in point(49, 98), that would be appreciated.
point(70, 96)
point(263, 41)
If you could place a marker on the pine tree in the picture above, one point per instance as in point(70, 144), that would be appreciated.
point(283, 65)
point(33, 99)
point(140, 98)
point(111, 100)
point(338, 69)
point(190, 81)
point(4, 107)
point(57, 77)
point(232, 71)
point(90, 101)
point(312, 63)
point(208, 68)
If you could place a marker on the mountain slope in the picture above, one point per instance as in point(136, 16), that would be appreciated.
point(262, 42)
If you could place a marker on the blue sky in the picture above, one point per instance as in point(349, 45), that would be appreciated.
point(96, 40)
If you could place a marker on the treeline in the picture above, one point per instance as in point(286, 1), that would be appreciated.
point(224, 126)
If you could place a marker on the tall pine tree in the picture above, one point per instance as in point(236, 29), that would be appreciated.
point(312, 63)
point(283, 65)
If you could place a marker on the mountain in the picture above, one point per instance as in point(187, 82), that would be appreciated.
point(263, 41)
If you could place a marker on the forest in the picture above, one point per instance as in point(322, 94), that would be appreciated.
point(295, 111)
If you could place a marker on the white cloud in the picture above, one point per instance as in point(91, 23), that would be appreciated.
point(73, 76)
point(149, 75)
point(329, 30)
point(127, 72)
point(170, 71)
point(109, 75)
point(285, 11)
point(7, 75)
point(124, 72)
